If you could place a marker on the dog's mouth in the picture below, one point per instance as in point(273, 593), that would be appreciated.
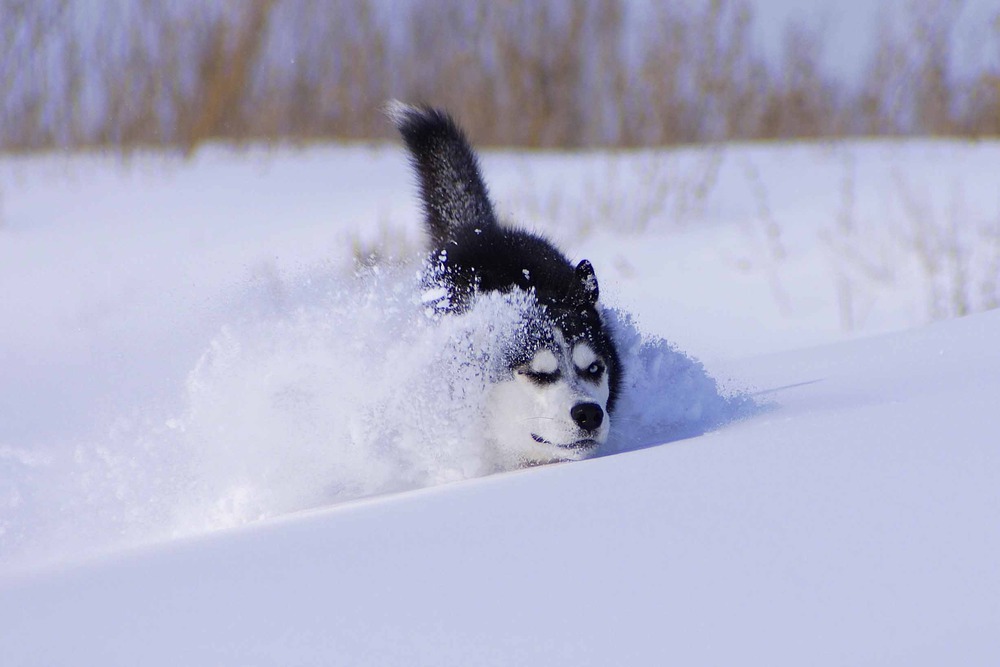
point(579, 445)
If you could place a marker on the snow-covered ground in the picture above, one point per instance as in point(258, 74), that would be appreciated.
point(204, 404)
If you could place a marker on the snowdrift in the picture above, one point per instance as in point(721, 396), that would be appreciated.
point(213, 434)
point(355, 387)
point(855, 524)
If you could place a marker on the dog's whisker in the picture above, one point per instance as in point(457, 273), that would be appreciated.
point(624, 420)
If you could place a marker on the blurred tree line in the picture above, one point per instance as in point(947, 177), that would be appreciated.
point(126, 74)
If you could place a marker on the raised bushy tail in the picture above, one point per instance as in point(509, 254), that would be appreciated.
point(451, 186)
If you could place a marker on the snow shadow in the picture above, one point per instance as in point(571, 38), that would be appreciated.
point(666, 395)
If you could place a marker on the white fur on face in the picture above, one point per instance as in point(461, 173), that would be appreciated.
point(531, 421)
point(544, 361)
point(583, 356)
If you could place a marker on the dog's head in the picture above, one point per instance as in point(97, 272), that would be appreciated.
point(554, 400)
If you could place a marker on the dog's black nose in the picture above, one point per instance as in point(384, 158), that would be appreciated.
point(587, 416)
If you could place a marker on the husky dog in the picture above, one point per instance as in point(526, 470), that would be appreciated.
point(558, 388)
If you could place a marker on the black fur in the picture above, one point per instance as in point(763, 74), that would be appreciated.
point(472, 253)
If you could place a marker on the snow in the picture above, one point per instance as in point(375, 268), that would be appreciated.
point(214, 429)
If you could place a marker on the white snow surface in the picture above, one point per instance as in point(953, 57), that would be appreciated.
point(221, 443)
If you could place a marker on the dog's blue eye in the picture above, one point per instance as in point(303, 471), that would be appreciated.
point(595, 369)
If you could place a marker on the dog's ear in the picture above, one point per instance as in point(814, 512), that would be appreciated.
point(585, 290)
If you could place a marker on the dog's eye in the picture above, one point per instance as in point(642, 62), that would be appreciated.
point(540, 378)
point(595, 369)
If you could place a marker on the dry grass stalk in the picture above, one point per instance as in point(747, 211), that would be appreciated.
point(557, 73)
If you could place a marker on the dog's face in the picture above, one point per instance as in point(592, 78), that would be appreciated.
point(554, 406)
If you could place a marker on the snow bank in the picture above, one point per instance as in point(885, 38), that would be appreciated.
point(351, 388)
point(854, 524)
